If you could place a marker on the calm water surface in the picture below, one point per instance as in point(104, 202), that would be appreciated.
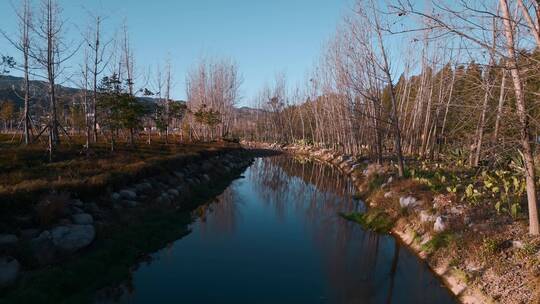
point(275, 236)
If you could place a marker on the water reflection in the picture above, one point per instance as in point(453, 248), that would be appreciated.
point(276, 237)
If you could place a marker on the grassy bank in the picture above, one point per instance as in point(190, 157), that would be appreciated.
point(26, 174)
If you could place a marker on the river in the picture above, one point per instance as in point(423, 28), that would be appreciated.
point(275, 236)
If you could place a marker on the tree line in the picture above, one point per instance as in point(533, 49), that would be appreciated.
point(399, 79)
point(115, 98)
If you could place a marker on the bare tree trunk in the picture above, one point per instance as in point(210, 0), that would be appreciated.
point(499, 107)
point(95, 72)
point(481, 126)
point(168, 84)
point(26, 24)
point(393, 99)
point(523, 119)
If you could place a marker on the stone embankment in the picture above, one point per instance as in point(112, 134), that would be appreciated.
point(64, 224)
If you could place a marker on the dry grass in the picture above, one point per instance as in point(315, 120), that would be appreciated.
point(26, 173)
point(51, 207)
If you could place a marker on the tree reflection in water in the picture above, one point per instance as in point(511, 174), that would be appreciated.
point(276, 234)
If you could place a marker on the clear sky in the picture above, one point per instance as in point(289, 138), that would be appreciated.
point(264, 37)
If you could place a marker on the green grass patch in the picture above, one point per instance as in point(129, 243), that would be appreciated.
point(374, 219)
point(439, 240)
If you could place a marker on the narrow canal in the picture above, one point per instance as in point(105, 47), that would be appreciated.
point(275, 236)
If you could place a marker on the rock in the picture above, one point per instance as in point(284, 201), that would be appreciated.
point(71, 238)
point(115, 196)
point(518, 244)
point(163, 199)
point(8, 241)
point(128, 194)
point(439, 225)
point(179, 174)
point(77, 203)
point(407, 202)
point(472, 267)
point(425, 217)
point(372, 169)
point(28, 234)
point(76, 210)
point(173, 192)
point(92, 208)
point(457, 210)
point(9, 271)
point(143, 187)
point(43, 249)
point(82, 219)
point(389, 194)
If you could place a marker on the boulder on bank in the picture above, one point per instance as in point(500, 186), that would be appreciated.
point(76, 210)
point(82, 219)
point(179, 174)
point(9, 271)
point(426, 217)
point(128, 194)
point(143, 187)
point(173, 192)
point(372, 169)
point(77, 203)
point(163, 199)
point(71, 238)
point(43, 249)
point(439, 225)
point(407, 202)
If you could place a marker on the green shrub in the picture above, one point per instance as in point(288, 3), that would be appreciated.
point(439, 240)
point(374, 219)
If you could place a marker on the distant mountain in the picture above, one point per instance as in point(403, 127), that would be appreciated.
point(11, 88)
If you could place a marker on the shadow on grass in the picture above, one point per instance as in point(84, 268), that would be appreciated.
point(118, 248)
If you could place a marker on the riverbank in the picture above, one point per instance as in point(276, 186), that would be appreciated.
point(68, 244)
point(481, 255)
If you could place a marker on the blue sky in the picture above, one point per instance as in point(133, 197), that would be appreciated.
point(264, 37)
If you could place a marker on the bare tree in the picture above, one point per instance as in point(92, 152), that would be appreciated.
point(22, 44)
point(385, 67)
point(51, 53)
point(212, 90)
point(100, 61)
point(530, 177)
